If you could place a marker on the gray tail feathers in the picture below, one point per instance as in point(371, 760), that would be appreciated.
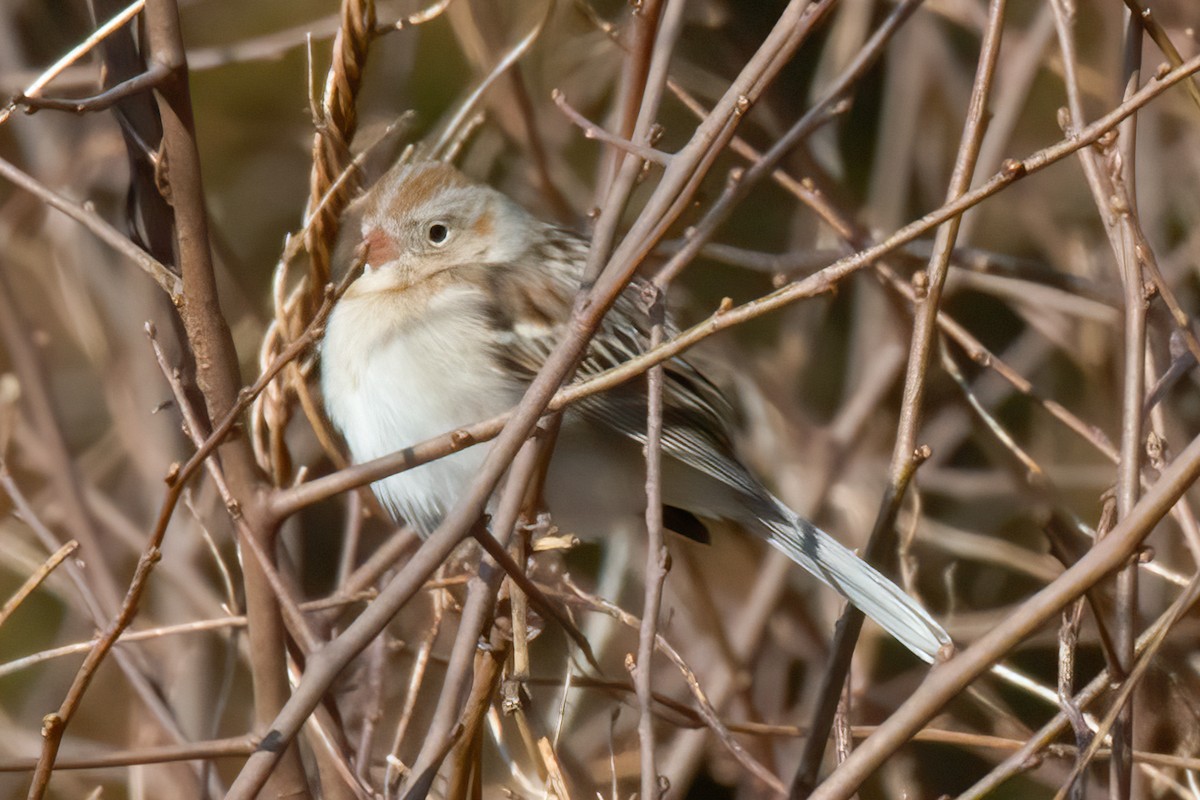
point(857, 581)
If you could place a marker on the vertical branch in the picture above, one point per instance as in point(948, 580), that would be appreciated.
point(1068, 643)
point(642, 33)
point(1129, 468)
point(1113, 192)
point(664, 37)
point(657, 556)
point(473, 624)
point(907, 456)
point(945, 682)
point(217, 372)
point(928, 301)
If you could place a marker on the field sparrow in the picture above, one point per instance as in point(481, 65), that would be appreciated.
point(462, 297)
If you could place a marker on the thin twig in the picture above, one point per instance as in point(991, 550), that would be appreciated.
point(705, 708)
point(54, 724)
point(950, 678)
point(1133, 392)
point(167, 280)
point(593, 131)
point(678, 185)
point(74, 54)
point(153, 77)
point(232, 747)
point(35, 580)
point(657, 556)
point(416, 677)
point(289, 501)
point(906, 455)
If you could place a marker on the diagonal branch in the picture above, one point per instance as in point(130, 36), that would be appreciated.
point(948, 679)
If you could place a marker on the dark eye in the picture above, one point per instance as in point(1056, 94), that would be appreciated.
point(438, 233)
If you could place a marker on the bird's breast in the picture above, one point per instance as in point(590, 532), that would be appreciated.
point(392, 381)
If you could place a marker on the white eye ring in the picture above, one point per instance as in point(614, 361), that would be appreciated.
point(438, 233)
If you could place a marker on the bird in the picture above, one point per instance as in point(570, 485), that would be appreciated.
point(462, 297)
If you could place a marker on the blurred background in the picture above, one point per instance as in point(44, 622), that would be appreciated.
point(1023, 441)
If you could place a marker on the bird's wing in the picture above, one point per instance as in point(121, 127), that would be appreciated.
point(695, 431)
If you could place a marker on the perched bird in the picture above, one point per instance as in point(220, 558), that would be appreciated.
point(462, 298)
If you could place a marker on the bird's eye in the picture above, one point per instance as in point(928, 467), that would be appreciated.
point(438, 233)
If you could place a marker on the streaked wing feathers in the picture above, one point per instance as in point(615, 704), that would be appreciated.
point(695, 431)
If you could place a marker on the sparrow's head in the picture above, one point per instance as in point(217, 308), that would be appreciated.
point(423, 221)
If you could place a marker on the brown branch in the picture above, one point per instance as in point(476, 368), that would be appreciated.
point(658, 558)
point(642, 33)
point(1112, 186)
point(593, 131)
point(232, 747)
point(906, 455)
point(466, 778)
point(54, 725)
point(167, 280)
point(1133, 393)
point(416, 677)
point(678, 184)
point(217, 369)
point(154, 76)
point(948, 679)
point(39, 575)
point(199, 626)
point(74, 54)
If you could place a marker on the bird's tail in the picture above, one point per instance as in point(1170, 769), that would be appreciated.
point(857, 581)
